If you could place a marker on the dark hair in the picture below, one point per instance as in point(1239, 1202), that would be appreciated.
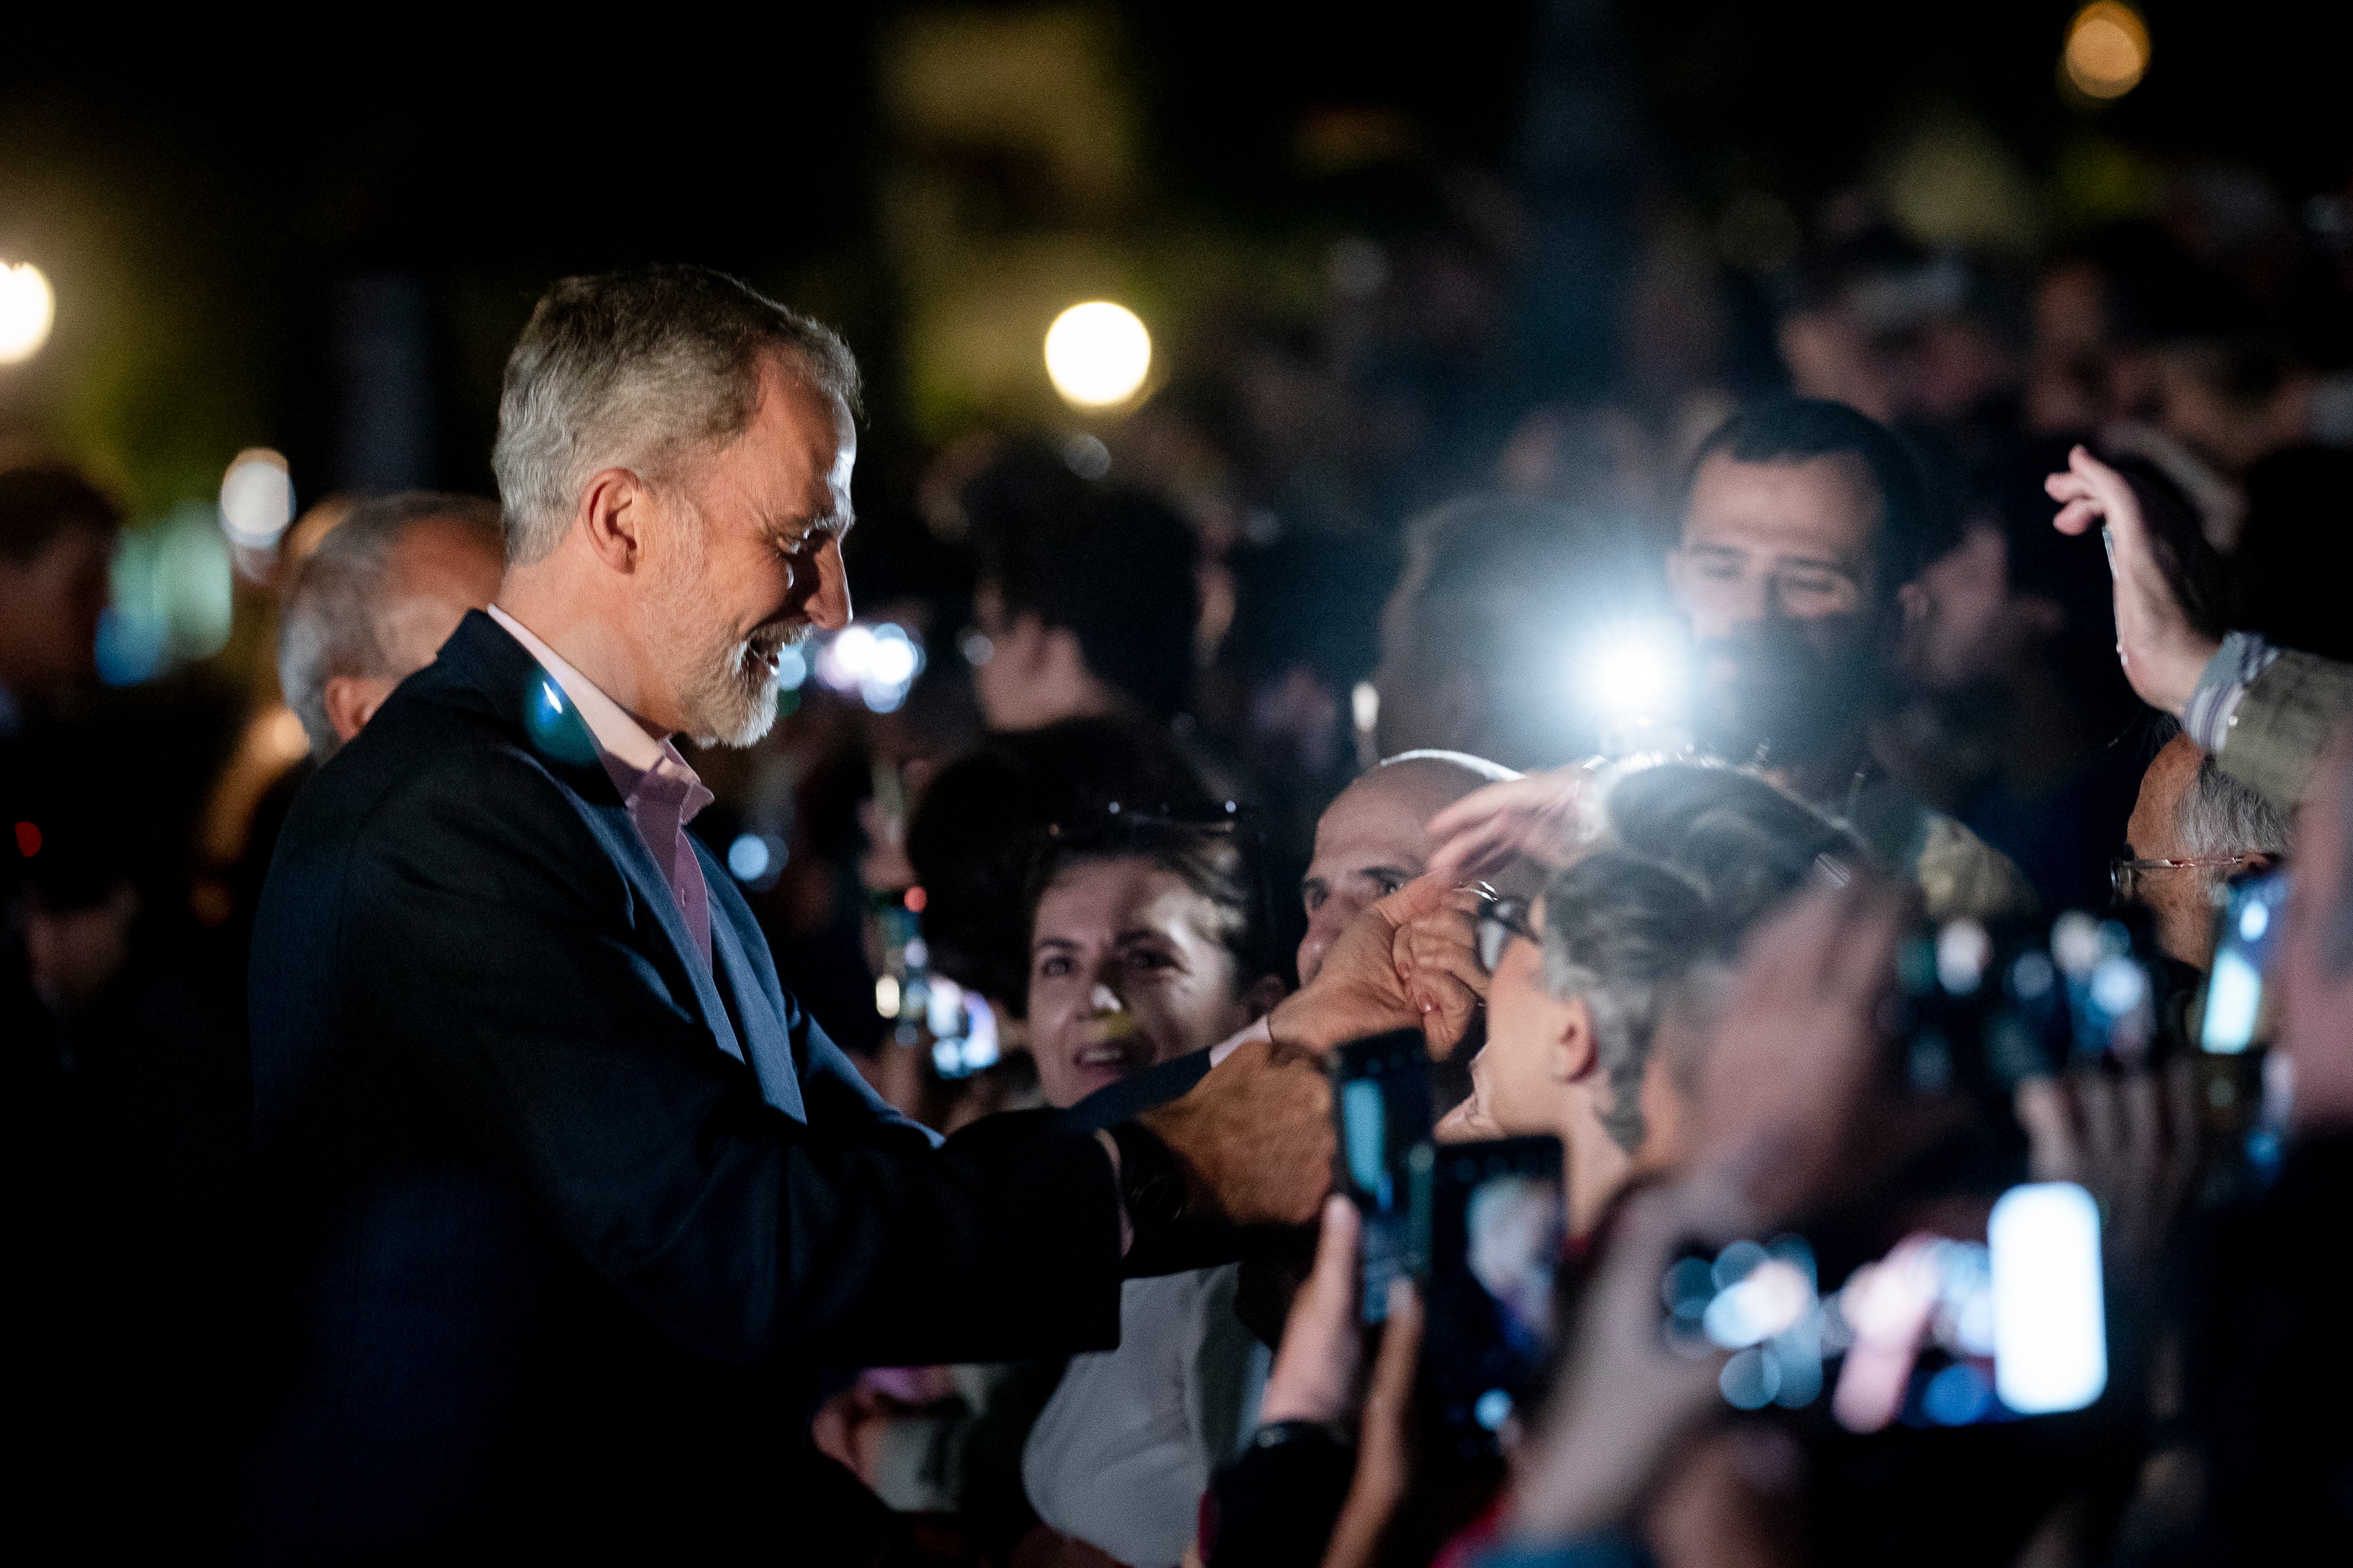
point(1748, 843)
point(327, 625)
point(1113, 566)
point(1799, 429)
point(1217, 865)
point(624, 366)
point(39, 502)
point(981, 820)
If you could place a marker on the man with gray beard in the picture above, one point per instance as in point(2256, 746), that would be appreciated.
point(565, 1197)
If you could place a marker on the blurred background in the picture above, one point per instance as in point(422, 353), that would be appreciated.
point(1364, 261)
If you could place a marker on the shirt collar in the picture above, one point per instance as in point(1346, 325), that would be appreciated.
point(628, 752)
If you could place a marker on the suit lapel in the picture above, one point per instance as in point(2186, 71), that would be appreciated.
point(503, 671)
point(768, 1044)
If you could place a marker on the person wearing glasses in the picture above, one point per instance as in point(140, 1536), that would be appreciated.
point(1684, 859)
point(2192, 826)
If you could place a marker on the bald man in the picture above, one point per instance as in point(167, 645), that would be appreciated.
point(1375, 839)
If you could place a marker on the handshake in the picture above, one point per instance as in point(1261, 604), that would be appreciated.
point(1254, 1139)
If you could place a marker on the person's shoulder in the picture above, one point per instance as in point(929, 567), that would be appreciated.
point(434, 762)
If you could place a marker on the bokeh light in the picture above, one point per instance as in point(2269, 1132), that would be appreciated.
point(256, 498)
point(27, 307)
point(1098, 355)
point(2107, 51)
point(879, 662)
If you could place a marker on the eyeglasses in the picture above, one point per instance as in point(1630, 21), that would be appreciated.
point(1501, 920)
point(2124, 875)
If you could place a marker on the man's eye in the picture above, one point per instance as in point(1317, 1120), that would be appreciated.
point(1054, 966)
point(1722, 569)
point(1313, 897)
point(1388, 885)
point(1150, 958)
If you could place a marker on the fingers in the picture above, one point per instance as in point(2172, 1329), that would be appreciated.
point(1315, 1370)
point(1392, 1386)
point(2053, 1151)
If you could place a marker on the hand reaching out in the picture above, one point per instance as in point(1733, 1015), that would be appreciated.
point(1405, 962)
point(1544, 816)
point(1796, 1045)
point(2162, 651)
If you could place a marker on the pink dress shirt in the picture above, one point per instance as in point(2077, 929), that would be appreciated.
point(661, 793)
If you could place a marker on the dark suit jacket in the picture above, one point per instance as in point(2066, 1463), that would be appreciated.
point(551, 1269)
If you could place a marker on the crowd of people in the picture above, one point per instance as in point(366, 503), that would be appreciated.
point(502, 1094)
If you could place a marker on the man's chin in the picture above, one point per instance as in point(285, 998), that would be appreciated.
point(747, 720)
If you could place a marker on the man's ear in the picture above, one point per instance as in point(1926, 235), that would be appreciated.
point(1568, 1047)
point(351, 701)
point(615, 507)
point(1263, 994)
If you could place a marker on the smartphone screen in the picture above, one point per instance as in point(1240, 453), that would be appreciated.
point(2244, 932)
point(1942, 1331)
point(1498, 1219)
point(1380, 1101)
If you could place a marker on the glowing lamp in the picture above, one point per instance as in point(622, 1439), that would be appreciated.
point(2107, 51)
point(27, 307)
point(1098, 355)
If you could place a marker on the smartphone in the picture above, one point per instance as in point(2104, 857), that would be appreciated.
point(2245, 930)
point(1980, 1008)
point(1380, 1108)
point(1944, 1330)
point(1498, 1221)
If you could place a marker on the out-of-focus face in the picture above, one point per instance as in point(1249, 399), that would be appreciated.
point(49, 607)
point(1125, 970)
point(745, 558)
point(1371, 841)
point(438, 570)
point(1776, 540)
point(1778, 575)
point(2177, 897)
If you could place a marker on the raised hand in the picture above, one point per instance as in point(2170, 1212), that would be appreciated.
point(1797, 1042)
point(2162, 650)
point(1544, 818)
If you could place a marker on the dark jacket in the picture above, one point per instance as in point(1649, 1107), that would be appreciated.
point(548, 1267)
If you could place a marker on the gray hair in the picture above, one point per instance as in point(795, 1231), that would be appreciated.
point(328, 624)
point(2219, 816)
point(1622, 929)
point(625, 369)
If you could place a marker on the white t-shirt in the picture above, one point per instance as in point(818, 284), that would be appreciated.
point(1122, 1452)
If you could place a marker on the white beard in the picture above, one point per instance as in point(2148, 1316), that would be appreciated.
point(730, 691)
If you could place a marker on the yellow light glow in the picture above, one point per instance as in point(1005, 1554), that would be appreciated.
point(1098, 355)
point(27, 306)
point(2107, 51)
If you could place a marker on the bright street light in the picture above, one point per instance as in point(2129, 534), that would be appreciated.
point(1098, 355)
point(27, 306)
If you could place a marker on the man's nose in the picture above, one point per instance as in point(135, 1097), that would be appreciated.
point(1105, 1000)
point(828, 606)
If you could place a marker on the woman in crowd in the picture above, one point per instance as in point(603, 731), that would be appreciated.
point(1146, 943)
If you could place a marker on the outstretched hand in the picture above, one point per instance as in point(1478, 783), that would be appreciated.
point(2162, 650)
point(1404, 962)
point(1797, 1044)
point(1254, 1137)
point(1544, 816)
